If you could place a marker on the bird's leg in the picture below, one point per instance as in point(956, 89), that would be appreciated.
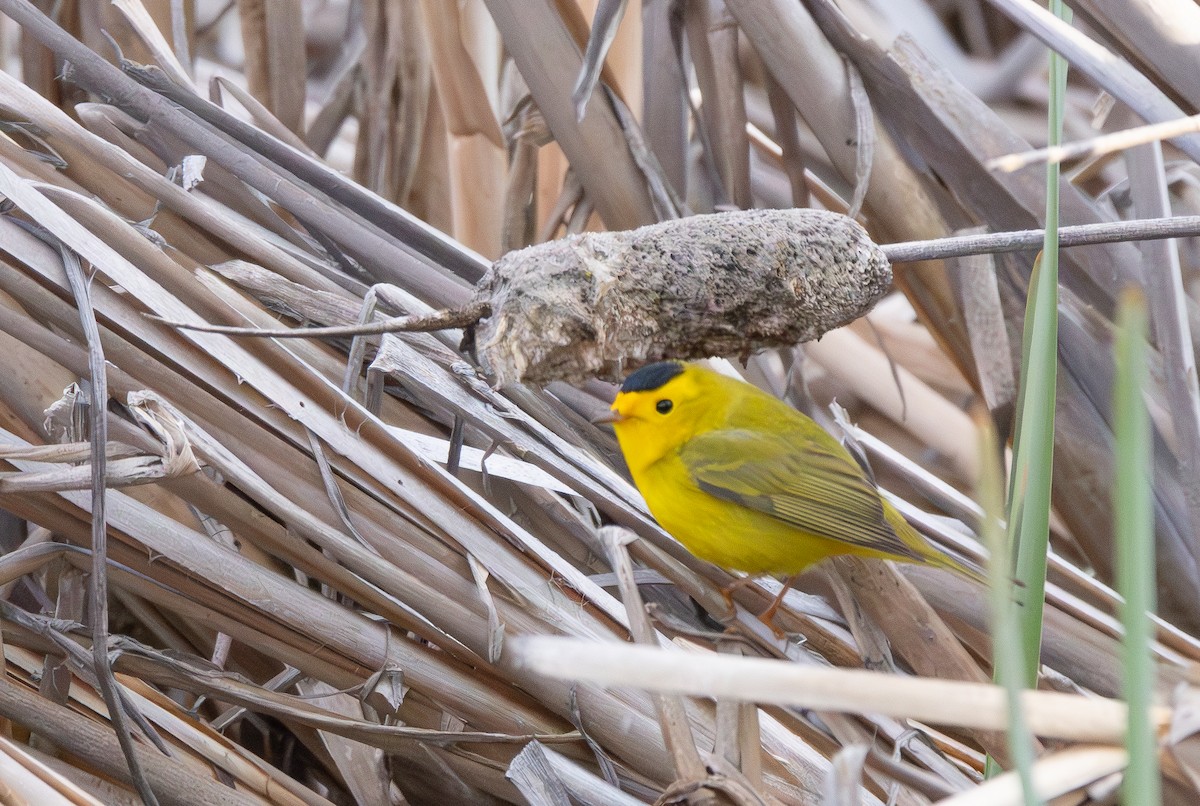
point(768, 615)
point(728, 591)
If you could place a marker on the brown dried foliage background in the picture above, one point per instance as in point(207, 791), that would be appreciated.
point(317, 595)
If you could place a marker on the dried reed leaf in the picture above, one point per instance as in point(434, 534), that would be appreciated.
point(604, 29)
point(664, 93)
point(1113, 74)
point(1156, 34)
point(461, 91)
point(979, 295)
point(713, 47)
point(262, 116)
point(139, 19)
point(540, 766)
point(546, 55)
point(33, 781)
point(273, 41)
point(362, 767)
point(1055, 775)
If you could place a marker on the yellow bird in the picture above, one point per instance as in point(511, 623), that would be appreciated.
point(745, 481)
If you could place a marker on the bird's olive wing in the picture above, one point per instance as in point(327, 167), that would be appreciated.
point(799, 481)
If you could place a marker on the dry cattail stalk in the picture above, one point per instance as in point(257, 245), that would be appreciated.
point(598, 304)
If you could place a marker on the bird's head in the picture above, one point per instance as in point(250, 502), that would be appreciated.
point(659, 408)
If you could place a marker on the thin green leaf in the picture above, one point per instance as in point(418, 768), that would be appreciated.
point(1006, 637)
point(1033, 452)
point(1134, 512)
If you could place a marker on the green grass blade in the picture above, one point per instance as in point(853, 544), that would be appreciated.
point(1028, 513)
point(1006, 637)
point(1033, 447)
point(1134, 511)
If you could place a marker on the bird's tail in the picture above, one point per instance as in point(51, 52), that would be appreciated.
point(961, 566)
point(924, 553)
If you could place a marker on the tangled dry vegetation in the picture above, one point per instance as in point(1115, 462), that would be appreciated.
point(332, 565)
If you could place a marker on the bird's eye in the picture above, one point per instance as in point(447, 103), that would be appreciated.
point(663, 406)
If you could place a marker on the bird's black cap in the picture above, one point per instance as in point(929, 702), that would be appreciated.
point(652, 376)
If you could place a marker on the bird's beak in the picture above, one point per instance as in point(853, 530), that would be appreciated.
point(608, 418)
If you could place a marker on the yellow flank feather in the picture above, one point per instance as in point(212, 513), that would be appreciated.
point(747, 482)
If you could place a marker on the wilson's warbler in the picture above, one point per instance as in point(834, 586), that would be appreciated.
point(745, 481)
